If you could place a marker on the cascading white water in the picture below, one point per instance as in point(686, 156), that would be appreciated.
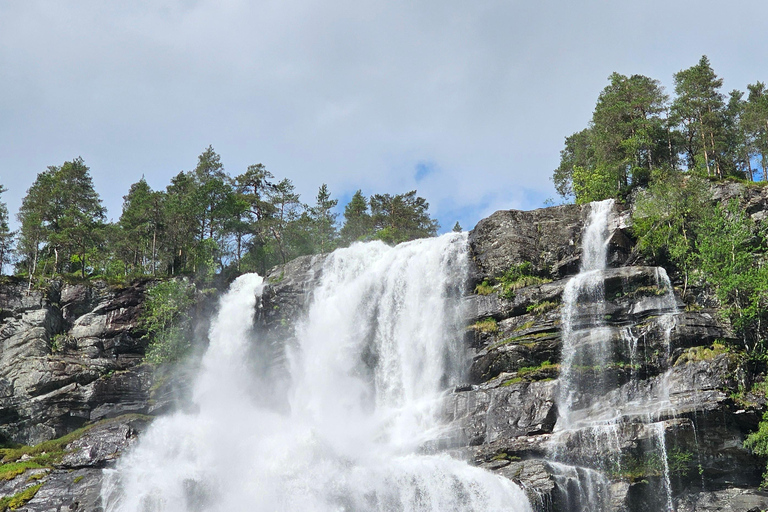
point(593, 406)
point(583, 306)
point(380, 343)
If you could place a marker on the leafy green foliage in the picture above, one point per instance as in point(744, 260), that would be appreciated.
point(166, 321)
point(666, 217)
point(757, 443)
point(401, 217)
point(205, 223)
point(61, 220)
point(635, 132)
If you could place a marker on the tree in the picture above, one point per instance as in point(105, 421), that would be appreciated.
point(141, 224)
point(577, 154)
point(755, 121)
point(6, 235)
point(626, 139)
point(665, 219)
point(61, 215)
point(324, 220)
point(401, 217)
point(457, 228)
point(252, 188)
point(287, 209)
point(357, 220)
point(628, 130)
point(181, 223)
point(698, 111)
point(738, 144)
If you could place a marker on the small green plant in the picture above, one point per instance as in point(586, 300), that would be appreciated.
point(486, 325)
point(541, 307)
point(20, 499)
point(543, 372)
point(505, 456)
point(77, 479)
point(484, 288)
point(757, 443)
point(519, 276)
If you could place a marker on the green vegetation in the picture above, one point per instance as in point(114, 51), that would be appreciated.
point(543, 372)
point(205, 222)
point(519, 276)
point(636, 134)
point(651, 464)
point(486, 325)
point(694, 354)
point(13, 469)
point(20, 499)
point(166, 320)
point(516, 277)
point(505, 456)
point(541, 307)
point(757, 443)
point(484, 288)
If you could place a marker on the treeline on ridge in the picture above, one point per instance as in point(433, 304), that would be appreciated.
point(637, 134)
point(204, 223)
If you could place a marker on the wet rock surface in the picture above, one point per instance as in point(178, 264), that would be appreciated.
point(508, 410)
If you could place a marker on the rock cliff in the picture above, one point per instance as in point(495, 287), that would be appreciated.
point(70, 358)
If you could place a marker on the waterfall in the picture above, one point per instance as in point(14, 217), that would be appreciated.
point(595, 403)
point(379, 345)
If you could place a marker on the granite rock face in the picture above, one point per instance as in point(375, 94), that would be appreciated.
point(504, 418)
point(69, 355)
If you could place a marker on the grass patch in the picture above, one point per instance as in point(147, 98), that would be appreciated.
point(13, 469)
point(634, 468)
point(694, 354)
point(487, 325)
point(541, 307)
point(77, 479)
point(20, 499)
point(46, 454)
point(543, 372)
point(519, 276)
point(484, 288)
point(526, 325)
point(528, 340)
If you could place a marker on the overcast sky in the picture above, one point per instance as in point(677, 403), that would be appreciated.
point(468, 102)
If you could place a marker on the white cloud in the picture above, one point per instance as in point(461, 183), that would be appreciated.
point(355, 94)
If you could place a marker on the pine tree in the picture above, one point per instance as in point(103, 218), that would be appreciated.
point(324, 220)
point(756, 122)
point(698, 111)
point(357, 220)
point(6, 235)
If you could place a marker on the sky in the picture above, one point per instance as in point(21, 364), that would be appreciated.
point(467, 102)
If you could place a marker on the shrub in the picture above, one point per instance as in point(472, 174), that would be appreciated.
point(166, 321)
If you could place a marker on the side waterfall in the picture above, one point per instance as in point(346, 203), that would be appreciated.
point(381, 342)
point(598, 394)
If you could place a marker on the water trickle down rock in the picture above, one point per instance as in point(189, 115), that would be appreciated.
point(592, 405)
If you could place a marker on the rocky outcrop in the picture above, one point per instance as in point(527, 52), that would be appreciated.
point(549, 238)
point(69, 355)
point(505, 417)
point(73, 481)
